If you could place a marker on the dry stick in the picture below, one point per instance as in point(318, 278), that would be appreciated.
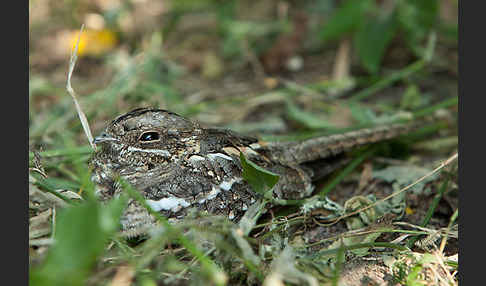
point(447, 162)
point(70, 90)
point(342, 63)
point(444, 239)
point(440, 260)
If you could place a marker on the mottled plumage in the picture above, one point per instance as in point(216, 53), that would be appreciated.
point(176, 164)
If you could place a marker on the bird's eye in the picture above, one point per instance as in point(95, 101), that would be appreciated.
point(149, 136)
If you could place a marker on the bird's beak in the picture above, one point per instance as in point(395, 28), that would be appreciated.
point(103, 137)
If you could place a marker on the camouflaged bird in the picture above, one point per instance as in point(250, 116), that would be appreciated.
point(177, 165)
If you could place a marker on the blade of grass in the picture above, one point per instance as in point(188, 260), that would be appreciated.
point(451, 222)
point(388, 80)
point(63, 152)
point(443, 104)
point(355, 163)
point(333, 251)
point(340, 257)
point(404, 73)
point(208, 265)
point(431, 210)
point(47, 188)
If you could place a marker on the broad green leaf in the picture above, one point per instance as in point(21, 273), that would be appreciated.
point(346, 19)
point(260, 179)
point(423, 13)
point(372, 39)
point(416, 18)
point(81, 234)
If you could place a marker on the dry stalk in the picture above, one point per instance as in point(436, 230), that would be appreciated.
point(70, 90)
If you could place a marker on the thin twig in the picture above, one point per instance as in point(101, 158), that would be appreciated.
point(53, 231)
point(342, 63)
point(444, 239)
point(70, 90)
point(440, 260)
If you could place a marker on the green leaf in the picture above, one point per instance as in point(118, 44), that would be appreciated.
point(53, 184)
point(308, 119)
point(416, 18)
point(425, 13)
point(63, 152)
point(406, 175)
point(372, 39)
point(362, 113)
point(81, 234)
point(411, 98)
point(261, 180)
point(346, 19)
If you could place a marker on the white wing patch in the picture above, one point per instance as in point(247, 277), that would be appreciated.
point(168, 204)
point(221, 155)
point(155, 151)
point(226, 185)
point(223, 186)
point(196, 158)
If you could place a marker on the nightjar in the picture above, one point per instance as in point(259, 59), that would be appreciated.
point(176, 164)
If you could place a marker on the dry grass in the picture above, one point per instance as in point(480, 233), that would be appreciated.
point(310, 242)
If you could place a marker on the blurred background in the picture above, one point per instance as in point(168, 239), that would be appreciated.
point(275, 69)
point(260, 67)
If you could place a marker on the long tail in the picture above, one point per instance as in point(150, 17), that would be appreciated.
point(326, 146)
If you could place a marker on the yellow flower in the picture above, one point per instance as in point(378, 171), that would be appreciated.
point(94, 42)
point(409, 211)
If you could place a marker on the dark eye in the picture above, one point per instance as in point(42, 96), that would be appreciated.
point(149, 136)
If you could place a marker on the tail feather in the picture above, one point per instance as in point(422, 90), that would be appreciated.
point(326, 146)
